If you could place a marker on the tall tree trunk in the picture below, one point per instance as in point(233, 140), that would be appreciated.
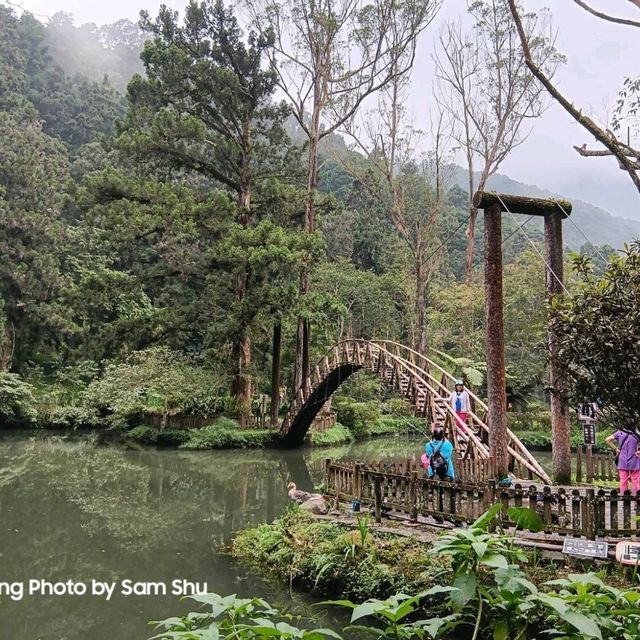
point(275, 372)
point(7, 346)
point(303, 336)
point(421, 305)
point(241, 350)
point(241, 379)
point(471, 232)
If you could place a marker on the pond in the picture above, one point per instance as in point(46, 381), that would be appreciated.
point(73, 510)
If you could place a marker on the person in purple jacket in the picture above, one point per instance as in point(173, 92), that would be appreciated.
point(626, 444)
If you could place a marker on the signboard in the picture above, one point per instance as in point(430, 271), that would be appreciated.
point(589, 432)
point(588, 411)
point(628, 552)
point(585, 548)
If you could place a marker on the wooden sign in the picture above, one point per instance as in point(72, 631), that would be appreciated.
point(585, 548)
point(588, 411)
point(628, 552)
point(589, 432)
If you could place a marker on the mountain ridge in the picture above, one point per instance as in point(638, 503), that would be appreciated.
point(599, 226)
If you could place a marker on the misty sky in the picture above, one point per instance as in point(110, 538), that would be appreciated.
point(599, 56)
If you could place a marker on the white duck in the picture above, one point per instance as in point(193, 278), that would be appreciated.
point(301, 496)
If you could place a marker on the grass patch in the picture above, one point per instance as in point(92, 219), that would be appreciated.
point(329, 559)
point(331, 437)
point(225, 433)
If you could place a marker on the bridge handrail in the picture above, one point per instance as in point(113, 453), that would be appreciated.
point(409, 365)
point(513, 450)
point(476, 398)
point(481, 423)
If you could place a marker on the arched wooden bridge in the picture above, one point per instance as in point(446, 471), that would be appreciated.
point(425, 384)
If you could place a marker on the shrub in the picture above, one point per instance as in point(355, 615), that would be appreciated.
point(225, 433)
point(155, 380)
point(357, 416)
point(152, 436)
point(17, 403)
point(392, 424)
point(336, 435)
point(70, 417)
point(397, 407)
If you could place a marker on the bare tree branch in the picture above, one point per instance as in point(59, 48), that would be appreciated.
point(604, 16)
point(615, 147)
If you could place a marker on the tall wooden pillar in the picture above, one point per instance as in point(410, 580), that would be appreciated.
point(560, 424)
point(494, 341)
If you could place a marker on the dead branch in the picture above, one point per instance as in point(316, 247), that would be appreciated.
point(611, 143)
point(605, 16)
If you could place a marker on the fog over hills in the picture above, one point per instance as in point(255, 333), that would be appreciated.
point(598, 225)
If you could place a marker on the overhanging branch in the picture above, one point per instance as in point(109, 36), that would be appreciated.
point(615, 147)
point(607, 17)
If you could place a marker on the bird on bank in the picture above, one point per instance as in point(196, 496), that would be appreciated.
point(301, 496)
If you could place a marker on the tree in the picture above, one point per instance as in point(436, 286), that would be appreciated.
point(329, 56)
point(597, 331)
point(409, 187)
point(627, 155)
point(205, 108)
point(489, 92)
point(34, 187)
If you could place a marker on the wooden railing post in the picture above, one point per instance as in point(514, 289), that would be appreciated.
point(413, 497)
point(357, 481)
point(377, 497)
point(588, 514)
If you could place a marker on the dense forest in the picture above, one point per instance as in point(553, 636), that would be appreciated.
point(160, 229)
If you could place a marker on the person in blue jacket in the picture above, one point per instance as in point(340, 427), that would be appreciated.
point(440, 454)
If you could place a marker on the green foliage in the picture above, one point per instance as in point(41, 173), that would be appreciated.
point(396, 407)
point(485, 596)
point(336, 435)
point(143, 434)
point(156, 380)
point(330, 560)
point(238, 619)
point(597, 329)
point(357, 416)
point(227, 434)
point(17, 404)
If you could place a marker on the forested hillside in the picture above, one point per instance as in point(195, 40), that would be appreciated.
point(153, 225)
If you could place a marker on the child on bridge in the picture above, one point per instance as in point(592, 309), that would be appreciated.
point(460, 402)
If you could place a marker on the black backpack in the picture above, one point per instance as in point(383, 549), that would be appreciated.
point(439, 465)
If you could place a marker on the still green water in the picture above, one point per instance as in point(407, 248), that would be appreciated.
point(71, 509)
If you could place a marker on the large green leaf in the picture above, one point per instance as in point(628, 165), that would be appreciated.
point(526, 518)
point(466, 583)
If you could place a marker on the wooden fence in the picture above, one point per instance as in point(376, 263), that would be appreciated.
point(587, 513)
point(595, 466)
point(469, 470)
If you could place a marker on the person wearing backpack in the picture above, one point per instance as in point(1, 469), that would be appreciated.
point(440, 454)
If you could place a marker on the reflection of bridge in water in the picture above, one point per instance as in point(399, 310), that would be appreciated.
point(424, 383)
